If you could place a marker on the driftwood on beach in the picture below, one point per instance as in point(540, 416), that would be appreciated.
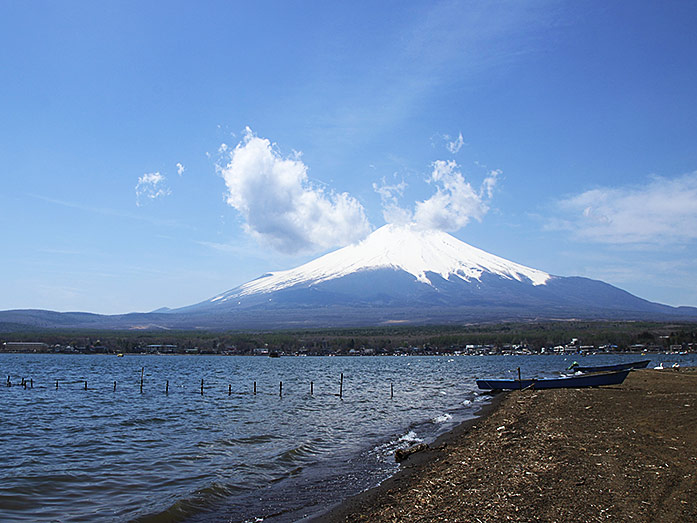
point(402, 454)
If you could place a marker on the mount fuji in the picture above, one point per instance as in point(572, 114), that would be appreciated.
point(400, 274)
point(404, 274)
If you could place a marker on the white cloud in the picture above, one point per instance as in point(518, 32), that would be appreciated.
point(279, 204)
point(180, 169)
point(389, 196)
point(455, 145)
point(455, 202)
point(662, 211)
point(151, 186)
point(451, 208)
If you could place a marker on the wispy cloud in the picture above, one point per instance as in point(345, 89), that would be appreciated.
point(249, 248)
point(389, 196)
point(437, 44)
point(661, 211)
point(59, 252)
point(151, 186)
point(106, 211)
point(281, 206)
point(180, 169)
point(455, 145)
point(453, 205)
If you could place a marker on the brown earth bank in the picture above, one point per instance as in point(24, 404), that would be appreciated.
point(622, 453)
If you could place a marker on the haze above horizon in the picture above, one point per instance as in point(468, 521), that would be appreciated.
point(157, 157)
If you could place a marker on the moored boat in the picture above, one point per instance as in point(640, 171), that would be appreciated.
point(572, 382)
point(610, 368)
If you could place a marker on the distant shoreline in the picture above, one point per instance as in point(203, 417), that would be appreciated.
point(503, 338)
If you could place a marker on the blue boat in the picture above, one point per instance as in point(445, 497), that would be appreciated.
point(572, 382)
point(609, 368)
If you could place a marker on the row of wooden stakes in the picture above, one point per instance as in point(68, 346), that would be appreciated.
point(30, 384)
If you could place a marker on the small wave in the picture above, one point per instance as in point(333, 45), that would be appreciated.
point(140, 422)
point(286, 474)
point(196, 502)
point(442, 418)
point(252, 440)
point(410, 437)
point(388, 449)
point(298, 453)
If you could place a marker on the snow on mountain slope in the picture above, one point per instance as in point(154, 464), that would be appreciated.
point(404, 248)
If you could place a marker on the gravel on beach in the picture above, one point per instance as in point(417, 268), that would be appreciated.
point(620, 453)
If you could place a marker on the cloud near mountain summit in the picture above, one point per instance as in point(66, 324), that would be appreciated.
point(453, 205)
point(282, 207)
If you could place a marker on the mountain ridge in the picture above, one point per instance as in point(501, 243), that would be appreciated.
point(397, 275)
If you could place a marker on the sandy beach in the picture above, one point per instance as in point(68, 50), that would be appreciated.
point(623, 453)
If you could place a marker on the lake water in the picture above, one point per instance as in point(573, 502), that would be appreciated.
point(70, 454)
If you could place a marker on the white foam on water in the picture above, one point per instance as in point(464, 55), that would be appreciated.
point(442, 418)
point(410, 437)
point(404, 441)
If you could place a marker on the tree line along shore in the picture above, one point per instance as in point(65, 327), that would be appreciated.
point(500, 338)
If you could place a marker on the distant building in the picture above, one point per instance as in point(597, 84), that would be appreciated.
point(25, 346)
point(160, 348)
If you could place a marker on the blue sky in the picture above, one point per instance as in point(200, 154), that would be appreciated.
point(158, 153)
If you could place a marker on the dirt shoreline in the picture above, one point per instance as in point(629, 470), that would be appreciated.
point(626, 453)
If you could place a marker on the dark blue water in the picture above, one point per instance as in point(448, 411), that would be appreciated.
point(71, 454)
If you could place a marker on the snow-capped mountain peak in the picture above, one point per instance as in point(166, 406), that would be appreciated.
point(399, 275)
point(399, 247)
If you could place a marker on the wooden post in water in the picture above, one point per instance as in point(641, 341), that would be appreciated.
point(518, 373)
point(255, 388)
point(31, 383)
point(312, 386)
point(280, 389)
point(391, 390)
point(115, 386)
point(201, 386)
point(56, 384)
point(24, 382)
point(167, 387)
point(229, 389)
point(142, 370)
point(85, 384)
point(9, 383)
point(341, 386)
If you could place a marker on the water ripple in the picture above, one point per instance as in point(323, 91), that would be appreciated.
point(100, 454)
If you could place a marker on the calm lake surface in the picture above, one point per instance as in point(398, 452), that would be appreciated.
point(70, 454)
